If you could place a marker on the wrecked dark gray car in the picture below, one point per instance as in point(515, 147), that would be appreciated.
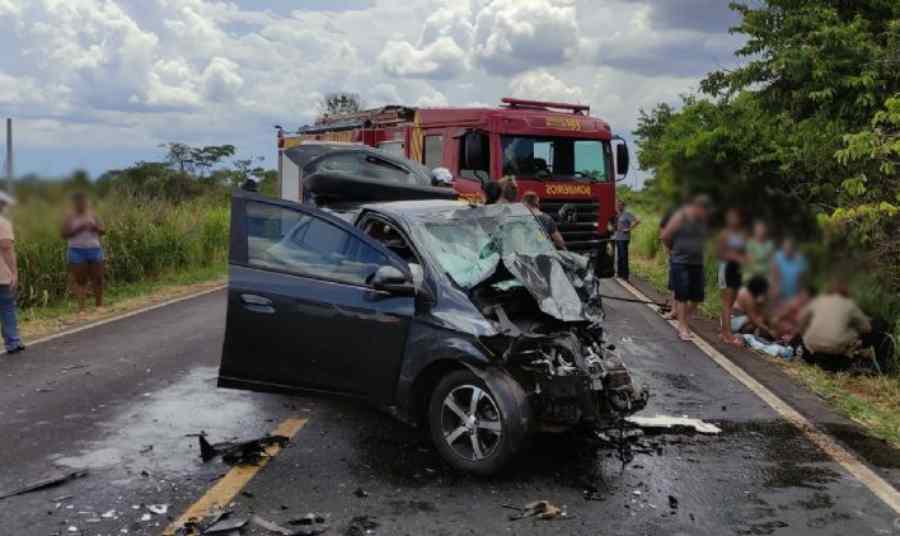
point(460, 318)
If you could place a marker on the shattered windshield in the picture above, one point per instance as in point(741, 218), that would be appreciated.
point(469, 248)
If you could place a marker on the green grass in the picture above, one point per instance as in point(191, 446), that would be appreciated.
point(118, 294)
point(147, 241)
point(873, 402)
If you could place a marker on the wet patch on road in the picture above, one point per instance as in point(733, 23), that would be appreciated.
point(155, 432)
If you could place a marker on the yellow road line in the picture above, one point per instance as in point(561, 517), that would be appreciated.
point(869, 478)
point(227, 488)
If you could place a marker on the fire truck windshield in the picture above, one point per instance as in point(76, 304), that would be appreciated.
point(557, 158)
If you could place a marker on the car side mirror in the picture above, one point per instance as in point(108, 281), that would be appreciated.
point(622, 159)
point(441, 176)
point(390, 279)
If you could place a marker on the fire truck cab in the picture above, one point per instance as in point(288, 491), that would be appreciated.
point(554, 149)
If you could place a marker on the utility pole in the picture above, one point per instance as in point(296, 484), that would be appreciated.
point(10, 186)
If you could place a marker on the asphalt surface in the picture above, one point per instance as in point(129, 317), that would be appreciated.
point(121, 401)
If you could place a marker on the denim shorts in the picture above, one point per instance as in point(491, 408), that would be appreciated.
point(85, 255)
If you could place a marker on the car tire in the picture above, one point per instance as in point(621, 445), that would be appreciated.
point(481, 442)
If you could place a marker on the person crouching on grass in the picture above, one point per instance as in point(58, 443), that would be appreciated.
point(83, 229)
point(9, 278)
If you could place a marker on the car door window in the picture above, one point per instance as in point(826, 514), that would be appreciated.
point(283, 239)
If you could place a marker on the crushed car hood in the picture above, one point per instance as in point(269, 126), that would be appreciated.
point(477, 245)
point(560, 284)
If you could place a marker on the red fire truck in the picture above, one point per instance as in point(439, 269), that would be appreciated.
point(554, 149)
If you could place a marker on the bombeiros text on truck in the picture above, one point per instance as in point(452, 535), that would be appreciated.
point(555, 149)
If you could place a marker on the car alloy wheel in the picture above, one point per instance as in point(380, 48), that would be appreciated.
point(470, 422)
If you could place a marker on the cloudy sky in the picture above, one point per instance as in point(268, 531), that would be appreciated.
point(97, 84)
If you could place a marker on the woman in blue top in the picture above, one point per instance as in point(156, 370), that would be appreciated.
point(789, 269)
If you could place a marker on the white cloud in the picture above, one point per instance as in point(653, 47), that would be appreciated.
point(515, 35)
point(440, 60)
point(103, 74)
point(221, 81)
point(541, 85)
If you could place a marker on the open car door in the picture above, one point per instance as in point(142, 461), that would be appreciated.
point(304, 312)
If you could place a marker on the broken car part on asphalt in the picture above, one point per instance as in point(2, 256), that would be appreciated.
point(240, 453)
point(663, 422)
point(44, 483)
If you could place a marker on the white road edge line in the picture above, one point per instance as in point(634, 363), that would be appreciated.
point(869, 478)
point(122, 316)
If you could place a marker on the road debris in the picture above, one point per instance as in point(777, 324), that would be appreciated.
point(540, 509)
point(361, 526)
point(673, 502)
point(664, 422)
point(361, 493)
point(158, 509)
point(271, 527)
point(249, 452)
point(310, 524)
point(592, 493)
point(44, 483)
point(226, 525)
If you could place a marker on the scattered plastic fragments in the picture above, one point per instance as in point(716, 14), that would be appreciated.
point(310, 524)
point(663, 422)
point(44, 483)
point(158, 509)
point(271, 527)
point(361, 526)
point(540, 509)
point(226, 525)
point(146, 517)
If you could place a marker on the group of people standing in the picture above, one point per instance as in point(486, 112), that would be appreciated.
point(765, 289)
point(82, 230)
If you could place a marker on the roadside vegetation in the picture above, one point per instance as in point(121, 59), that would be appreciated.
point(167, 224)
point(805, 134)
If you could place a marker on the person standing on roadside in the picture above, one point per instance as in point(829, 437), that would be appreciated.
point(625, 222)
point(9, 279)
point(531, 200)
point(685, 236)
point(509, 190)
point(83, 229)
point(667, 215)
point(731, 248)
point(760, 250)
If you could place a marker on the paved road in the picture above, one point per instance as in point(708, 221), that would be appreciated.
point(121, 400)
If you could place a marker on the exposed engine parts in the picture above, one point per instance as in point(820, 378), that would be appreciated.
point(571, 376)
